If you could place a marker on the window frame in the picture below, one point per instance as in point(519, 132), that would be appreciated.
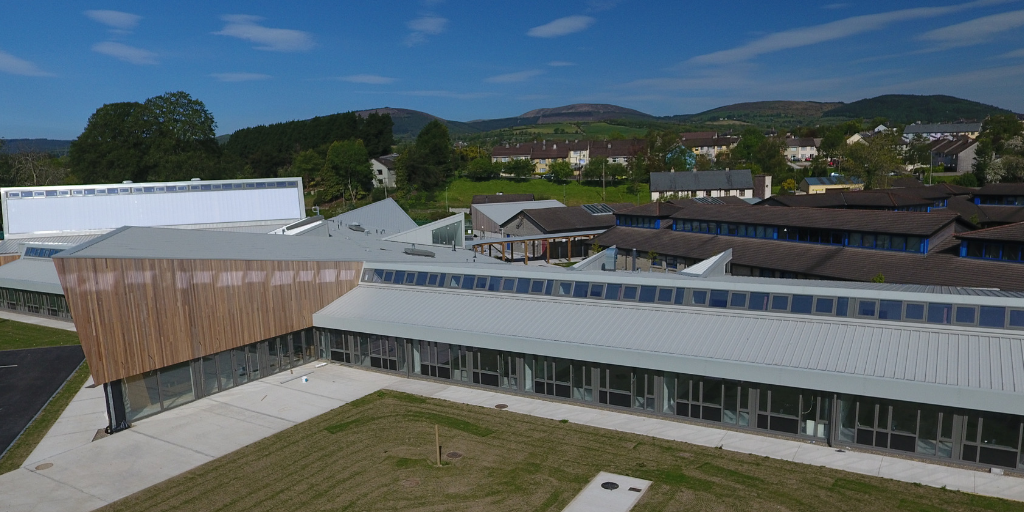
point(832, 309)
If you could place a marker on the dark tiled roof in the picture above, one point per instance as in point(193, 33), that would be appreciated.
point(387, 161)
point(1001, 189)
point(986, 214)
point(568, 218)
point(905, 182)
point(701, 180)
point(847, 200)
point(943, 128)
point(616, 148)
point(834, 180)
point(1007, 233)
point(876, 221)
point(501, 198)
point(710, 142)
point(951, 146)
point(512, 150)
point(655, 209)
point(939, 267)
point(802, 142)
point(697, 135)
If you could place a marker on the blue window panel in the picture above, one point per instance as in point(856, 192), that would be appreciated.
point(966, 314)
point(564, 289)
point(665, 295)
point(379, 274)
point(467, 282)
point(890, 310)
point(421, 278)
point(992, 317)
point(780, 303)
point(432, 280)
point(647, 293)
point(700, 297)
point(537, 286)
point(1016, 318)
point(719, 298)
point(580, 290)
point(481, 283)
point(440, 279)
point(549, 286)
point(410, 278)
point(494, 284)
point(629, 293)
point(523, 286)
point(456, 281)
point(758, 301)
point(914, 312)
point(940, 313)
point(843, 306)
point(802, 304)
point(389, 276)
point(612, 291)
point(399, 277)
point(508, 284)
point(680, 295)
point(738, 300)
point(867, 308)
point(596, 291)
point(824, 305)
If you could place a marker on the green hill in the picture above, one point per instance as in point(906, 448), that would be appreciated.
point(907, 108)
point(408, 123)
point(762, 113)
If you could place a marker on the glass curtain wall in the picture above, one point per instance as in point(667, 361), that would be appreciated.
point(35, 302)
point(155, 391)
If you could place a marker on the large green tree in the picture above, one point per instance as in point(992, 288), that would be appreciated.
point(347, 168)
point(430, 162)
point(168, 137)
point(996, 131)
point(307, 164)
point(482, 169)
point(560, 171)
point(876, 160)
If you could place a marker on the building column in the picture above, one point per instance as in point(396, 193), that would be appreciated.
point(114, 394)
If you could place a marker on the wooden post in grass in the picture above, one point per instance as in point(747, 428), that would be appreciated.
point(437, 441)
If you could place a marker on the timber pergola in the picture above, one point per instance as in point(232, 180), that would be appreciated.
point(501, 243)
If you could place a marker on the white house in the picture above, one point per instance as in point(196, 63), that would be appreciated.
point(384, 171)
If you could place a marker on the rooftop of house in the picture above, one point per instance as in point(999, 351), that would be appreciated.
point(875, 221)
point(562, 219)
point(738, 179)
point(1001, 189)
point(942, 128)
point(1008, 233)
point(847, 199)
point(833, 180)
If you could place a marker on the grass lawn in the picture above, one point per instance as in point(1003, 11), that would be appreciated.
point(461, 192)
point(590, 130)
point(17, 335)
point(377, 454)
point(23, 447)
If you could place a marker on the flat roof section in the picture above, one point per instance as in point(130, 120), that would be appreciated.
point(957, 367)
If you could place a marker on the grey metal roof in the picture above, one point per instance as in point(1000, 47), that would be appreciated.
point(13, 245)
point(701, 180)
point(533, 237)
point(501, 212)
point(163, 243)
point(384, 215)
point(950, 366)
point(31, 274)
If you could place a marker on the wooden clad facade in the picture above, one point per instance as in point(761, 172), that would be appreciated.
point(137, 315)
point(7, 258)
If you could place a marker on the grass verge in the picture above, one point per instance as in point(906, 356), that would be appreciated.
point(18, 335)
point(35, 431)
point(378, 453)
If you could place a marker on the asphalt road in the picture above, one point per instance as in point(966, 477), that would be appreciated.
point(28, 378)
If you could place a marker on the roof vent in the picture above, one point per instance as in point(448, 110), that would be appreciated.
point(412, 251)
point(126, 181)
point(356, 227)
point(196, 179)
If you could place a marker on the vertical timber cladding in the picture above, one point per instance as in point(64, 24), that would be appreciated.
point(136, 315)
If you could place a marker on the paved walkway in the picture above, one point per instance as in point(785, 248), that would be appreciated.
point(37, 320)
point(86, 475)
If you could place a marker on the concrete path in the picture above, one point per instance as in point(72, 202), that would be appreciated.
point(37, 320)
point(86, 475)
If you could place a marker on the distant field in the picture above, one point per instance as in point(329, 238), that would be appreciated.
point(378, 454)
point(16, 335)
point(590, 130)
point(461, 192)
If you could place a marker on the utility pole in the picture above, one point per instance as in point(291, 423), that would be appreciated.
point(604, 197)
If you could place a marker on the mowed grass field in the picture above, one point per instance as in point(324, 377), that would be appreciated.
point(461, 192)
point(377, 453)
point(17, 335)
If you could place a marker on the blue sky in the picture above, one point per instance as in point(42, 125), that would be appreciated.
point(261, 62)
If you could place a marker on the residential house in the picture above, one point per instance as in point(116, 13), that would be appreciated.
point(571, 222)
point(956, 154)
point(938, 131)
point(383, 168)
point(738, 183)
point(814, 185)
point(577, 153)
point(709, 146)
point(801, 148)
point(487, 218)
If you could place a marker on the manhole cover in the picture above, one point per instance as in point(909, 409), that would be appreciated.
point(412, 482)
point(611, 486)
point(45, 465)
point(453, 455)
point(501, 406)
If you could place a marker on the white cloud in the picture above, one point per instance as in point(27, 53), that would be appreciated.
point(520, 76)
point(114, 19)
point(1013, 54)
point(560, 63)
point(247, 28)
point(15, 66)
point(126, 53)
point(847, 27)
point(424, 26)
point(240, 77)
point(975, 31)
point(367, 79)
point(562, 26)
